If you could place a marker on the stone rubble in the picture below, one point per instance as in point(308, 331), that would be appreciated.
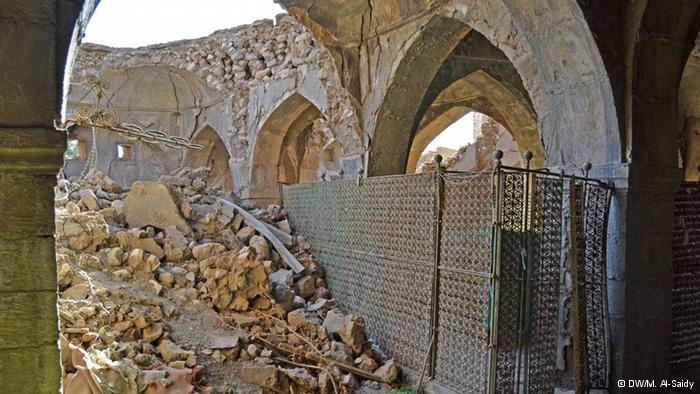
point(276, 318)
point(234, 62)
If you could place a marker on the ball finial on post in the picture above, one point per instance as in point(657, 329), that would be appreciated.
point(527, 156)
point(587, 167)
point(438, 160)
point(497, 156)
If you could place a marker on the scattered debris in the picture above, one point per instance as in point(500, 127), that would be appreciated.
point(124, 281)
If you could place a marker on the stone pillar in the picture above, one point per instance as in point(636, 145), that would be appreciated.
point(34, 39)
point(640, 270)
point(29, 161)
point(648, 272)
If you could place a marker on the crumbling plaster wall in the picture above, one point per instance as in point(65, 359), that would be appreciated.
point(250, 70)
point(156, 97)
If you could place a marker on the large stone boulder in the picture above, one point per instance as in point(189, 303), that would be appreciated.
point(151, 204)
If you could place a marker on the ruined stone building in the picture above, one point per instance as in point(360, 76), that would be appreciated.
point(353, 90)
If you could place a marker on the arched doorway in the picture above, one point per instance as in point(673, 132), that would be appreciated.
point(467, 143)
point(214, 155)
point(287, 149)
point(475, 75)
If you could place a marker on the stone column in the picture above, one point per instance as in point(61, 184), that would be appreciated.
point(29, 161)
point(34, 39)
point(640, 271)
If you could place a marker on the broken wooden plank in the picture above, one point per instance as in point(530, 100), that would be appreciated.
point(265, 231)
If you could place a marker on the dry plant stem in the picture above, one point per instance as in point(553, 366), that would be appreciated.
point(289, 328)
point(347, 368)
point(92, 293)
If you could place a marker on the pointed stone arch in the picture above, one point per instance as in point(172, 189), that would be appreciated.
point(479, 92)
point(214, 154)
point(279, 148)
point(572, 100)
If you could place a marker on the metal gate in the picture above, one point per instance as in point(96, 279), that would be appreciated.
point(456, 274)
point(685, 339)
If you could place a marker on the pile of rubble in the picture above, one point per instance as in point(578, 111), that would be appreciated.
point(129, 262)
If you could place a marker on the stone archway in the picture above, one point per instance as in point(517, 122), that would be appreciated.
point(482, 93)
point(279, 148)
point(214, 155)
point(573, 102)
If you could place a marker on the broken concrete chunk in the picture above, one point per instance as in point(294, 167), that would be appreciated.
point(265, 376)
point(77, 292)
point(171, 352)
point(89, 261)
point(334, 322)
point(262, 249)
point(243, 321)
point(245, 234)
point(115, 256)
point(175, 243)
point(322, 305)
point(281, 277)
point(151, 204)
point(366, 363)
point(303, 379)
point(210, 249)
point(302, 319)
point(152, 333)
point(353, 332)
point(135, 239)
point(389, 372)
point(135, 258)
point(88, 198)
point(225, 342)
point(284, 226)
point(306, 286)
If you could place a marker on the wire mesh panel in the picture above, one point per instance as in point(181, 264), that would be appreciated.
point(511, 260)
point(597, 200)
point(685, 340)
point(465, 281)
point(578, 293)
point(376, 243)
point(545, 253)
point(462, 263)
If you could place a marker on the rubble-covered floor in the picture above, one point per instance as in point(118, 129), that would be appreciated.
point(165, 289)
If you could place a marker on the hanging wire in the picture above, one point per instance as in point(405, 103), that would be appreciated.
point(92, 156)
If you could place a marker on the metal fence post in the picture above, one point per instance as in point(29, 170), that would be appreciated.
point(524, 279)
point(578, 334)
point(496, 272)
point(435, 304)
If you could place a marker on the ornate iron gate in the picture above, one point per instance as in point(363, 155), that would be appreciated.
point(457, 274)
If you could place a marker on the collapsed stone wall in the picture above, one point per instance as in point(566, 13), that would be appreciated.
point(489, 136)
point(249, 71)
